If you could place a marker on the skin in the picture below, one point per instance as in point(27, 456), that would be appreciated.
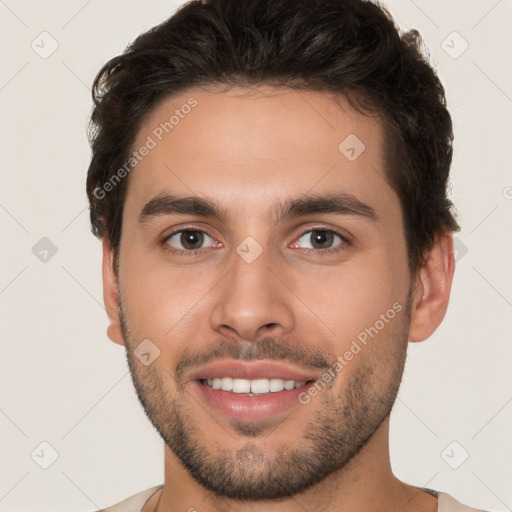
point(248, 150)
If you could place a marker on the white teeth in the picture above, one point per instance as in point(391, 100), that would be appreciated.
point(289, 384)
point(260, 386)
point(256, 386)
point(276, 385)
point(226, 384)
point(241, 386)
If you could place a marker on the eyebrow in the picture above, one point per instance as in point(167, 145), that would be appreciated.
point(340, 203)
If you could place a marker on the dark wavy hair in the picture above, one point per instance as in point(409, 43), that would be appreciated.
point(352, 47)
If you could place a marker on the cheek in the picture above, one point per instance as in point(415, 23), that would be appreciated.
point(375, 353)
point(351, 298)
point(162, 302)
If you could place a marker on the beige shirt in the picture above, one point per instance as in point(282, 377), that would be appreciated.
point(136, 502)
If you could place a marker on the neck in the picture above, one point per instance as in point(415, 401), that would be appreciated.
point(366, 484)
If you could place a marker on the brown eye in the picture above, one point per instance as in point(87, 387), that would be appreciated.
point(188, 240)
point(321, 239)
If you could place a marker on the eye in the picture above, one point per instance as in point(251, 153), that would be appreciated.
point(187, 240)
point(322, 240)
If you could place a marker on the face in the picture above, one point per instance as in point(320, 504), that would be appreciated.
point(263, 261)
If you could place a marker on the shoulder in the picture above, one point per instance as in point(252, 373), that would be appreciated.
point(133, 503)
point(447, 503)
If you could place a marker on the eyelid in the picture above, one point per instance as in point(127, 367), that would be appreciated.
point(165, 238)
point(186, 227)
point(346, 239)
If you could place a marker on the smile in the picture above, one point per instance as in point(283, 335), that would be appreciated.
point(250, 390)
point(252, 387)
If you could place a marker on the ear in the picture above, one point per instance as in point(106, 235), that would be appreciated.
point(432, 289)
point(110, 294)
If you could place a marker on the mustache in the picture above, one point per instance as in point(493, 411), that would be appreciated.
point(270, 348)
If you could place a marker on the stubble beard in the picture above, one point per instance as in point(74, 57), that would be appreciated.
point(342, 426)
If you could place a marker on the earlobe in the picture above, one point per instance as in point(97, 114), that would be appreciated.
point(110, 294)
point(432, 289)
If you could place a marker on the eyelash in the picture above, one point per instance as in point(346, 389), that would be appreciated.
point(180, 252)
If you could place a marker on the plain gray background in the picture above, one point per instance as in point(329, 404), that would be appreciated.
point(64, 383)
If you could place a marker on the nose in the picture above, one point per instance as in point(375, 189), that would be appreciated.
point(253, 300)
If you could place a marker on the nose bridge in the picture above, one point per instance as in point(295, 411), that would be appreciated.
point(251, 272)
point(251, 297)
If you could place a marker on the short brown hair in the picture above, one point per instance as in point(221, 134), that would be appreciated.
point(351, 47)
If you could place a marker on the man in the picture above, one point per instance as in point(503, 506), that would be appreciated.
point(269, 181)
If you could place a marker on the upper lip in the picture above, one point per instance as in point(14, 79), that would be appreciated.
point(250, 370)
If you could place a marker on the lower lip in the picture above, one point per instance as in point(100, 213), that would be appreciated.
point(243, 407)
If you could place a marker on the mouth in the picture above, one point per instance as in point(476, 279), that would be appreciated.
point(250, 391)
point(255, 387)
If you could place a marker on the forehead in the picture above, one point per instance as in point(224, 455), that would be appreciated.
point(246, 146)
